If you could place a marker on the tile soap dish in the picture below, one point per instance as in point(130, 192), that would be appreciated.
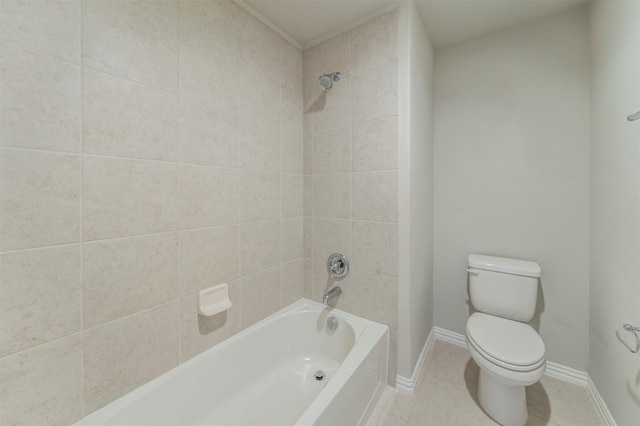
point(213, 300)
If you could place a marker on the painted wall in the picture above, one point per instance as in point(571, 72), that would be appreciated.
point(351, 170)
point(512, 171)
point(615, 204)
point(416, 62)
point(149, 150)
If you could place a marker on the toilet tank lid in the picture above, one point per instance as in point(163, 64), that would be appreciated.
point(503, 264)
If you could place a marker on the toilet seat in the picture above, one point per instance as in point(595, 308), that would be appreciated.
point(509, 344)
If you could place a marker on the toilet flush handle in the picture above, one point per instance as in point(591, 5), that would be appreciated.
point(473, 271)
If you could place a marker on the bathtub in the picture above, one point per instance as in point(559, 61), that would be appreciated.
point(265, 375)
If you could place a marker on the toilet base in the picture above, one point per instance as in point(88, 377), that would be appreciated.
point(506, 404)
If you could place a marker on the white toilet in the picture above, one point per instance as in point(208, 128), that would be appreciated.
point(510, 353)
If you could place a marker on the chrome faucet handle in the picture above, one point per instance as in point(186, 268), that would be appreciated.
point(338, 265)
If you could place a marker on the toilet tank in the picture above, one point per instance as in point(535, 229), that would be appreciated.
point(504, 287)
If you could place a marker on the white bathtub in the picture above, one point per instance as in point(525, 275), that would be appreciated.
point(265, 375)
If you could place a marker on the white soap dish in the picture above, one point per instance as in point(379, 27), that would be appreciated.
point(214, 300)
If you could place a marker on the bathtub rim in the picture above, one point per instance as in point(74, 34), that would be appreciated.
point(366, 332)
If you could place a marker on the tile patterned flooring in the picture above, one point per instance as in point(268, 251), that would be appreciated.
point(446, 396)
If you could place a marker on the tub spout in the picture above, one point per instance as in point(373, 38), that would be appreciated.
point(334, 292)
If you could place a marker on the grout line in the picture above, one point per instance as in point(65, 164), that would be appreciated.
point(129, 80)
point(132, 314)
point(82, 364)
point(281, 195)
point(350, 248)
point(49, 151)
point(79, 333)
point(30, 48)
point(180, 192)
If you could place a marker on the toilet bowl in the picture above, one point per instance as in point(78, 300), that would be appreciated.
point(509, 352)
point(511, 356)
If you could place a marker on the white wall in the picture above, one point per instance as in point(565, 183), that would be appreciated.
point(512, 171)
point(416, 62)
point(615, 204)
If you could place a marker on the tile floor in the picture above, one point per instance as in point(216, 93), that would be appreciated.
point(446, 395)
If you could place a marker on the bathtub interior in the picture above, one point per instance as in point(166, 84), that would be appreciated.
point(263, 375)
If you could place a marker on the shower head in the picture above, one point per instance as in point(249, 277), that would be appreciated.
point(326, 81)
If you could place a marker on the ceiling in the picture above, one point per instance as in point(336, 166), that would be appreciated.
point(309, 22)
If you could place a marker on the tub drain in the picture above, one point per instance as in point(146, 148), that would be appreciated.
point(319, 375)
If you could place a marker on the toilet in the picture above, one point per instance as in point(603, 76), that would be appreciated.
point(509, 352)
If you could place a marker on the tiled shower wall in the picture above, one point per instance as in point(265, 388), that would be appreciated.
point(149, 149)
point(351, 170)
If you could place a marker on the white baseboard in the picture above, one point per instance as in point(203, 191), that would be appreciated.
point(555, 370)
point(566, 374)
point(601, 406)
point(450, 337)
point(407, 385)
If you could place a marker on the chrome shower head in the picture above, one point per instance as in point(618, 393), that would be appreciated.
point(326, 81)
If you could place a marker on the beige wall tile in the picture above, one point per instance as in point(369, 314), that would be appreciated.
point(374, 44)
point(308, 236)
point(209, 196)
point(50, 27)
point(292, 278)
point(199, 333)
point(40, 106)
point(368, 104)
point(125, 276)
point(331, 236)
point(43, 385)
point(333, 55)
point(291, 195)
point(332, 150)
point(375, 247)
point(291, 151)
point(259, 196)
point(308, 120)
point(375, 196)
point(375, 145)
point(292, 67)
point(308, 278)
point(332, 195)
point(121, 355)
point(129, 197)
point(259, 246)
point(261, 296)
point(291, 107)
point(208, 134)
point(210, 25)
point(40, 296)
point(208, 257)
point(291, 236)
point(208, 73)
point(259, 94)
point(307, 195)
point(332, 108)
point(136, 40)
point(309, 79)
point(307, 153)
point(259, 145)
point(374, 296)
point(39, 198)
point(261, 46)
point(125, 119)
